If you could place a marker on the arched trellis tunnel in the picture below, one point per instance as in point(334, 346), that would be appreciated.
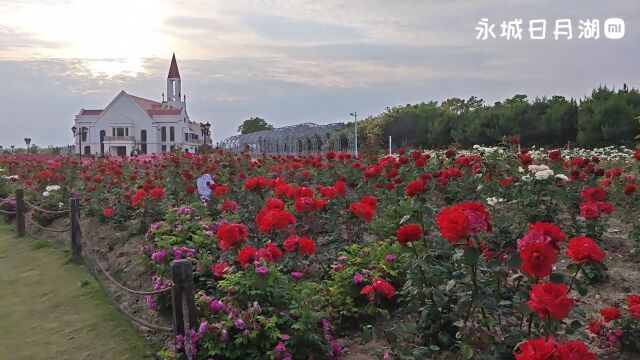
point(302, 139)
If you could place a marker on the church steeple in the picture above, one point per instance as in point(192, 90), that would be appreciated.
point(174, 93)
point(173, 69)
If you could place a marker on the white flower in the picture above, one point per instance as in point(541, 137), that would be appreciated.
point(60, 205)
point(533, 168)
point(51, 188)
point(543, 174)
point(526, 178)
point(520, 169)
point(562, 177)
point(45, 194)
point(493, 200)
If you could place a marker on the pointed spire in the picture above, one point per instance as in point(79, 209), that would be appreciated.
point(173, 69)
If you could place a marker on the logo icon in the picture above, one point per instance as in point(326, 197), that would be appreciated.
point(614, 28)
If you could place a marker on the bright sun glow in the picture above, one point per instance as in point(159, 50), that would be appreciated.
point(96, 30)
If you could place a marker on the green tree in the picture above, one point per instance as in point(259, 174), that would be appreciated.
point(254, 124)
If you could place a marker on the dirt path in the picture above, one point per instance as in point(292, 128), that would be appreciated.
point(50, 309)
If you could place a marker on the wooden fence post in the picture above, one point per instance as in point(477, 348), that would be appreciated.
point(20, 212)
point(183, 297)
point(74, 219)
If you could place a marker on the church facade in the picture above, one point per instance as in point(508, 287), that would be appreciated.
point(131, 123)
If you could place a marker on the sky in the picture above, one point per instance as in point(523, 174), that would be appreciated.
point(293, 61)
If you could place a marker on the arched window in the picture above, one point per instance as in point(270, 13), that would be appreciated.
point(102, 135)
point(84, 132)
point(143, 141)
point(87, 150)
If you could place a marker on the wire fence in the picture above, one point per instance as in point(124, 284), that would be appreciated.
point(183, 310)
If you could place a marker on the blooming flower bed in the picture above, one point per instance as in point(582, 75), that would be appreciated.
point(486, 253)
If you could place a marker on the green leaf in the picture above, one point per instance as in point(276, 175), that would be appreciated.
point(558, 278)
point(367, 334)
point(450, 284)
point(514, 261)
point(582, 290)
point(471, 256)
point(467, 351)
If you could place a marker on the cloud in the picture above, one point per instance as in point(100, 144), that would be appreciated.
point(292, 61)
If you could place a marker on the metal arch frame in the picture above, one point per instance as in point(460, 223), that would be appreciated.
point(306, 138)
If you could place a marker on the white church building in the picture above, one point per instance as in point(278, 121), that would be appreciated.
point(133, 123)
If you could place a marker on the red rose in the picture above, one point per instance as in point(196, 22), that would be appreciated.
point(362, 210)
point(219, 269)
point(525, 159)
point(305, 204)
point(384, 288)
point(157, 193)
point(583, 249)
point(371, 201)
point(538, 258)
point(630, 189)
point(107, 212)
point(341, 187)
point(290, 243)
point(415, 187)
point(246, 255)
point(409, 233)
point(273, 219)
point(595, 327)
point(369, 291)
point(190, 188)
point(230, 234)
point(275, 252)
point(306, 246)
point(634, 305)
point(506, 182)
point(274, 203)
point(137, 198)
point(229, 205)
point(534, 349)
point(551, 232)
point(221, 190)
point(610, 314)
point(589, 211)
point(462, 221)
point(592, 194)
point(256, 183)
point(579, 351)
point(550, 299)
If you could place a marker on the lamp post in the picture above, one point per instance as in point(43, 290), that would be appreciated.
point(205, 129)
point(74, 129)
point(355, 127)
point(28, 142)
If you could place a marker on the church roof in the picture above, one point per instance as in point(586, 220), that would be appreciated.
point(91, 112)
point(173, 69)
point(155, 108)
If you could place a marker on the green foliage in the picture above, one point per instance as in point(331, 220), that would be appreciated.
point(254, 124)
point(607, 117)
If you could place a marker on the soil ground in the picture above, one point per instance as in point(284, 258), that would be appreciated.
point(52, 309)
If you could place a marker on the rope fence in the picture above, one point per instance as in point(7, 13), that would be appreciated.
point(7, 212)
point(45, 210)
point(114, 281)
point(32, 222)
point(182, 289)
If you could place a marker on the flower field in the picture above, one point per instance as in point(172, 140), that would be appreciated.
point(488, 253)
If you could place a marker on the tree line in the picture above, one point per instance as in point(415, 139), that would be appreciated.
point(606, 117)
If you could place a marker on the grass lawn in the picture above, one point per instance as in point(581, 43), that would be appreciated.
point(52, 309)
